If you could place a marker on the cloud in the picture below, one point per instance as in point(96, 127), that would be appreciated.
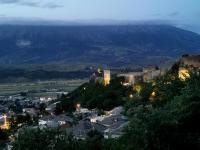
point(52, 5)
point(173, 14)
point(30, 3)
point(9, 1)
point(2, 15)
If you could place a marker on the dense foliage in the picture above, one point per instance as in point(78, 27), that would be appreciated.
point(95, 95)
point(36, 139)
point(170, 121)
point(3, 138)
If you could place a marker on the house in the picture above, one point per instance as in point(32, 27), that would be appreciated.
point(115, 130)
point(113, 119)
point(51, 108)
point(55, 121)
point(80, 110)
point(114, 125)
point(96, 118)
point(81, 130)
point(31, 111)
point(110, 125)
point(115, 111)
point(113, 122)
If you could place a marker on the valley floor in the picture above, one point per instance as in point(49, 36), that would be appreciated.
point(40, 88)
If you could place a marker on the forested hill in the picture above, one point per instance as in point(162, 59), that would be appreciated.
point(110, 45)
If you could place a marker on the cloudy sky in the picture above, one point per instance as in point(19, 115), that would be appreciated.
point(183, 12)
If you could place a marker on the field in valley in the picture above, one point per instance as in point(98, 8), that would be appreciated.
point(40, 88)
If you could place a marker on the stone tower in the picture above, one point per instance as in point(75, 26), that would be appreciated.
point(107, 77)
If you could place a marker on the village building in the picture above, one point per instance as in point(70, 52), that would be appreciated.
point(31, 111)
point(55, 121)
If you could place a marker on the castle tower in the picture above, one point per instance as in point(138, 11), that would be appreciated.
point(107, 77)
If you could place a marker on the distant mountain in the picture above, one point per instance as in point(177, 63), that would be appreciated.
point(39, 21)
point(107, 45)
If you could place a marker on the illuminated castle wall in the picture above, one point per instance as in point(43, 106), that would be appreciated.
point(107, 77)
point(183, 73)
point(191, 61)
point(188, 63)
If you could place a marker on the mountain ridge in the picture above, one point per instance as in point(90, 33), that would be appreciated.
point(107, 45)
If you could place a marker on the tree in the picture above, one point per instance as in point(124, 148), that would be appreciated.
point(170, 126)
point(42, 107)
point(3, 135)
point(146, 91)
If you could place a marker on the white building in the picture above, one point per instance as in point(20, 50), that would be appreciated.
point(131, 78)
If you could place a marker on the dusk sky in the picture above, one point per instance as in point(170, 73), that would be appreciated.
point(183, 12)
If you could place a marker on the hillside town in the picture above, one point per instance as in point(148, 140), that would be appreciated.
point(40, 112)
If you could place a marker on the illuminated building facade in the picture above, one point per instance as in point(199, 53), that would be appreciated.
point(107, 77)
point(188, 63)
point(150, 73)
point(138, 88)
point(183, 74)
point(6, 124)
point(132, 78)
